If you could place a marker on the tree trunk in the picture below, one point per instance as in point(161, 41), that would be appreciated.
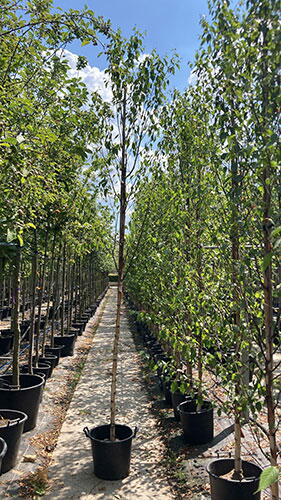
point(15, 318)
point(122, 222)
point(235, 257)
point(268, 329)
point(63, 290)
point(33, 303)
point(267, 249)
point(23, 299)
point(56, 297)
point(49, 291)
point(40, 299)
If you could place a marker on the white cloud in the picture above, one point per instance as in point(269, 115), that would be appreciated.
point(143, 57)
point(94, 78)
point(193, 78)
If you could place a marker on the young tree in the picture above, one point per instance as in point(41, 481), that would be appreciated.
point(138, 83)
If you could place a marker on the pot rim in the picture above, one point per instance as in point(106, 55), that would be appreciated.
point(108, 442)
point(202, 410)
point(11, 389)
point(60, 347)
point(63, 337)
point(15, 422)
point(234, 481)
point(4, 448)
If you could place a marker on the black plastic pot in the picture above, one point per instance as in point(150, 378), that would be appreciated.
point(67, 341)
point(26, 399)
point(8, 332)
point(85, 317)
point(79, 326)
point(6, 311)
point(229, 489)
point(41, 368)
point(11, 433)
point(177, 398)
point(84, 321)
point(48, 360)
point(167, 393)
point(74, 331)
point(111, 458)
point(198, 426)
point(5, 344)
point(3, 451)
point(56, 351)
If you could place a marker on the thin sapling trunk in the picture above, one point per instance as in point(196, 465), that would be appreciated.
point(15, 318)
point(122, 222)
point(63, 290)
point(49, 291)
point(40, 299)
point(33, 303)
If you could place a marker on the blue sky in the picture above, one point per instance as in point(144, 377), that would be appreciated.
point(169, 25)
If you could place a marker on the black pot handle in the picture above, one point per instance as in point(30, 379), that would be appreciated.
point(135, 431)
point(87, 432)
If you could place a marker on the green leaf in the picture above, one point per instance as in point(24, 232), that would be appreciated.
point(20, 240)
point(266, 261)
point(268, 477)
point(85, 42)
point(11, 235)
point(276, 232)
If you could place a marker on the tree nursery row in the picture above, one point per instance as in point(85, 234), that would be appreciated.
point(204, 241)
point(199, 258)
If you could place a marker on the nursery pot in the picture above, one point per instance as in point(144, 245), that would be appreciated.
point(229, 489)
point(56, 351)
point(83, 321)
point(177, 398)
point(111, 458)
point(11, 433)
point(167, 393)
point(198, 426)
point(85, 316)
point(26, 399)
point(67, 341)
point(48, 359)
point(41, 368)
point(3, 451)
point(78, 326)
point(5, 344)
point(73, 331)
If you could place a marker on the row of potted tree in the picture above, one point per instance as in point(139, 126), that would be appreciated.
point(21, 393)
point(54, 235)
point(207, 223)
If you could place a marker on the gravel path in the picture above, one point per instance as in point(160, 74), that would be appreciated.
point(71, 473)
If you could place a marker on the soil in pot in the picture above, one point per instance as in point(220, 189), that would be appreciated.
point(197, 425)
point(68, 342)
point(26, 399)
point(111, 458)
point(229, 489)
point(11, 429)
